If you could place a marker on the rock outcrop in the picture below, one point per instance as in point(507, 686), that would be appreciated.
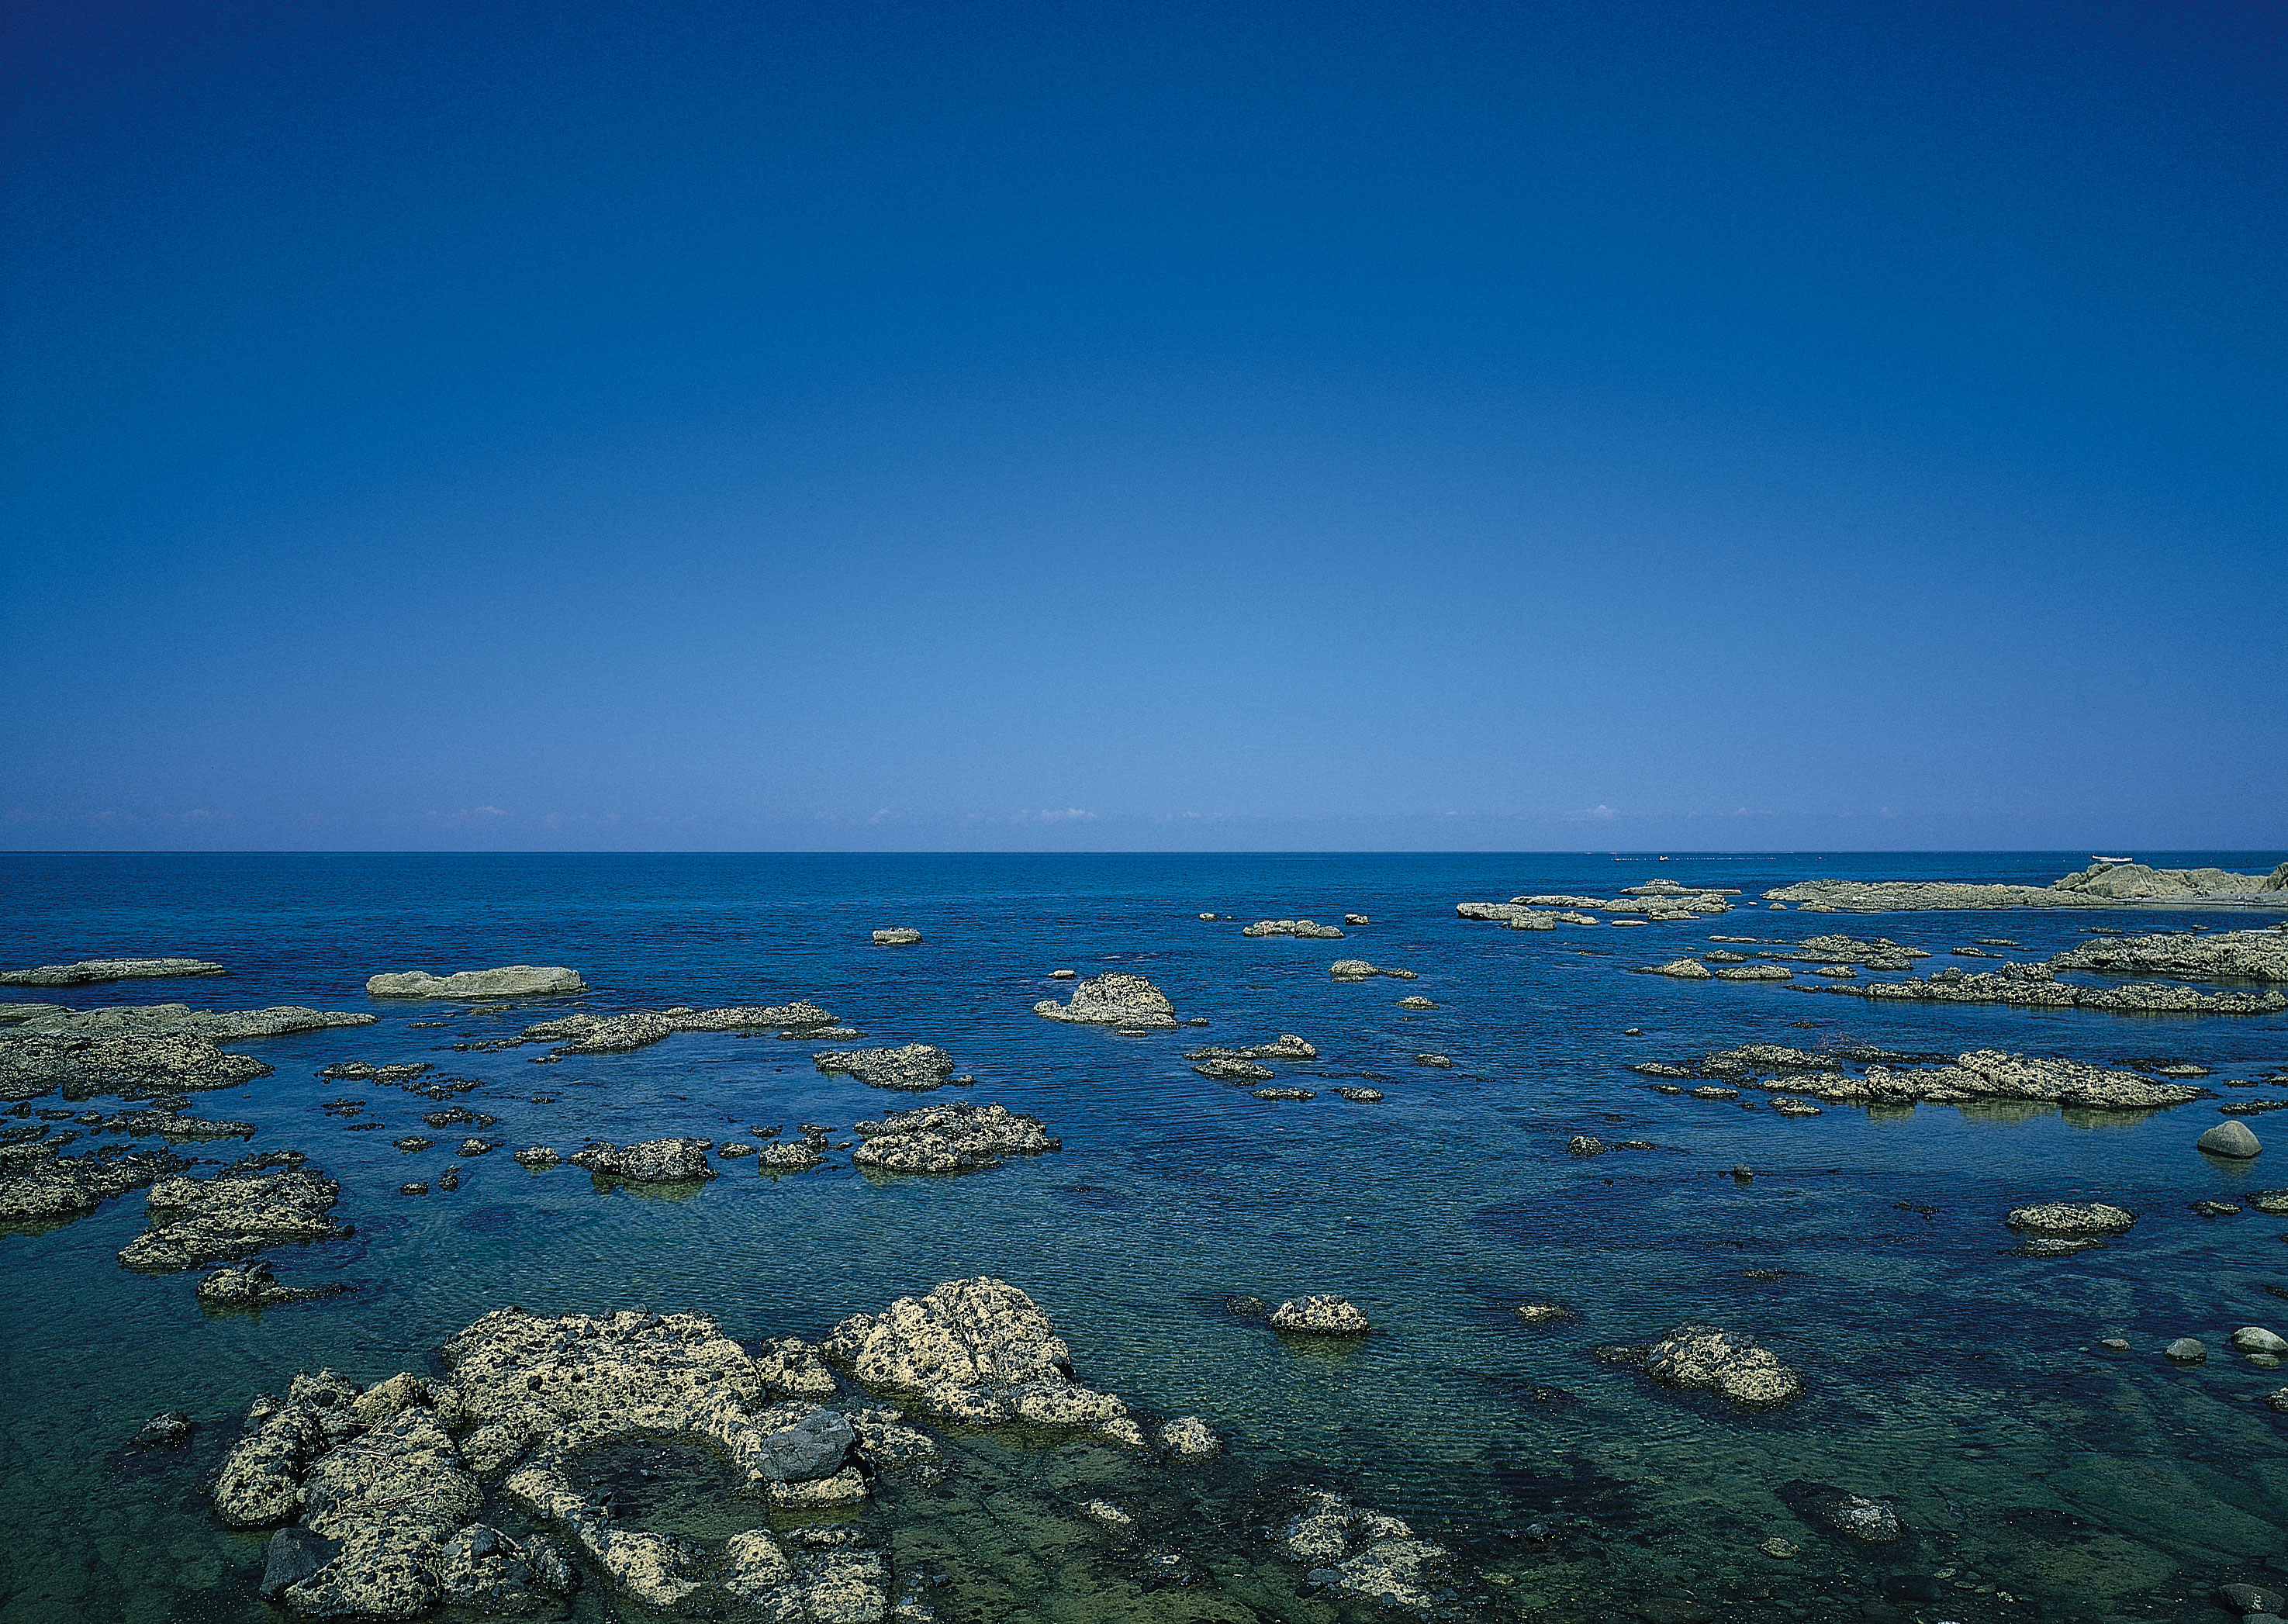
point(508, 981)
point(141, 1051)
point(897, 936)
point(957, 1138)
point(2101, 885)
point(917, 1068)
point(1359, 970)
point(255, 1287)
point(1115, 998)
point(1514, 915)
point(1732, 1365)
point(2222, 956)
point(1683, 969)
point(39, 1186)
point(88, 971)
point(2035, 986)
point(236, 1213)
point(1983, 1073)
point(1292, 927)
point(654, 1161)
point(1319, 1316)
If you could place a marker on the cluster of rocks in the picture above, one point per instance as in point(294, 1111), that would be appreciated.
point(917, 1068)
point(146, 1051)
point(1355, 1551)
point(1983, 1073)
point(1359, 970)
point(1693, 970)
point(508, 981)
point(1246, 1064)
point(87, 972)
point(957, 1138)
point(1117, 998)
point(1292, 927)
point(2100, 885)
point(1659, 901)
point(260, 1202)
point(256, 1286)
point(387, 1485)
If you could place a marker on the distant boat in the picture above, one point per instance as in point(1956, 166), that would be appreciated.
point(2111, 860)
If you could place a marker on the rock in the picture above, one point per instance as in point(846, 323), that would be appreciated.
point(2102, 886)
point(1062, 975)
point(654, 1162)
point(168, 1429)
point(1435, 1062)
point(1732, 1365)
point(1869, 1522)
point(1754, 972)
point(1108, 1517)
point(294, 1554)
point(1545, 1314)
point(917, 1068)
point(1416, 1002)
point(1115, 999)
point(255, 1287)
point(2233, 955)
point(475, 1147)
point(1221, 1069)
point(1359, 970)
point(1983, 1073)
point(897, 936)
point(2036, 987)
point(1781, 1548)
point(2277, 1399)
point(509, 981)
point(2256, 1339)
point(1586, 1144)
point(1361, 1096)
point(260, 1482)
point(1319, 1316)
point(2215, 1209)
point(537, 1156)
point(1289, 1047)
point(1291, 927)
point(2071, 1219)
point(792, 1155)
point(37, 1185)
point(90, 971)
point(2230, 1138)
point(2187, 1351)
point(1360, 1552)
point(1683, 970)
point(1356, 919)
point(197, 1221)
point(483, 1570)
point(418, 1187)
point(949, 1139)
point(1279, 1094)
point(1247, 1308)
point(1512, 915)
point(1188, 1438)
point(414, 1142)
point(979, 1352)
point(2250, 1599)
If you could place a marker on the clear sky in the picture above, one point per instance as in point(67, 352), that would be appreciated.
point(1004, 425)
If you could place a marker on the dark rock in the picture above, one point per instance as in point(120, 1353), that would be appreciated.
point(170, 1430)
point(295, 1554)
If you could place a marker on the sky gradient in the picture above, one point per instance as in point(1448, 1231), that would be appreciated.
point(1071, 427)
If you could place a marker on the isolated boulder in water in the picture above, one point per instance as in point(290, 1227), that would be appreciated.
point(654, 1162)
point(509, 981)
point(1319, 1316)
point(2232, 1139)
point(1115, 999)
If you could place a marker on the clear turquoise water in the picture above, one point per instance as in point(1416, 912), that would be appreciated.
point(1965, 1381)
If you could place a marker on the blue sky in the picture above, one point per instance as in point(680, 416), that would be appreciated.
point(941, 426)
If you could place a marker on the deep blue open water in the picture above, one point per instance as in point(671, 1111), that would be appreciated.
point(2042, 1477)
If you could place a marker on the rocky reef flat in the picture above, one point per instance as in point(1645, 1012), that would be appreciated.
point(87, 972)
point(2101, 885)
point(142, 1052)
point(508, 981)
point(1978, 1074)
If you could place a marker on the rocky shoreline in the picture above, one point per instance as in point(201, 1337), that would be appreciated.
point(2101, 885)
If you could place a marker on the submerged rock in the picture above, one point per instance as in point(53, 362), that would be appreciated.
point(654, 1162)
point(1319, 1316)
point(917, 1068)
point(1855, 1516)
point(87, 972)
point(170, 1430)
point(1115, 998)
point(948, 1139)
point(509, 981)
point(1360, 1552)
point(1730, 1365)
point(235, 1213)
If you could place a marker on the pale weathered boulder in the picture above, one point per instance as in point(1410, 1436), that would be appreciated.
point(1115, 998)
point(1727, 1363)
point(1319, 1316)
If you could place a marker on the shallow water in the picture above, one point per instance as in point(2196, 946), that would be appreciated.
point(1942, 1371)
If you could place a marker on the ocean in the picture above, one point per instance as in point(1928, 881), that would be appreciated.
point(2039, 1474)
